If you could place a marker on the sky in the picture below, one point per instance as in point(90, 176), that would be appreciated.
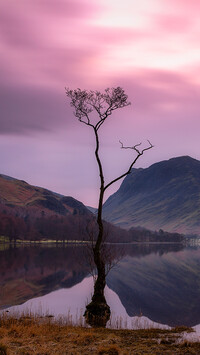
point(151, 48)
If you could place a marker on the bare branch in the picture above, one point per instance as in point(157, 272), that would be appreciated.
point(137, 145)
point(134, 147)
point(139, 153)
point(101, 121)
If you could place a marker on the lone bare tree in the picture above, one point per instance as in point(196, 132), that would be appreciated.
point(103, 104)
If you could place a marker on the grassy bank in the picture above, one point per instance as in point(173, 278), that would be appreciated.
point(5, 240)
point(42, 336)
point(6, 244)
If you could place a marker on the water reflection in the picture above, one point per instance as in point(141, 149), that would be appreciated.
point(159, 282)
point(62, 304)
point(34, 271)
point(165, 287)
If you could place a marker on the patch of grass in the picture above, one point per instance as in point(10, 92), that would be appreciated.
point(182, 329)
point(109, 350)
point(43, 335)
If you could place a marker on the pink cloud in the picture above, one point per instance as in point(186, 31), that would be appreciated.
point(41, 43)
point(113, 36)
point(49, 44)
point(191, 7)
point(31, 23)
point(172, 23)
point(67, 8)
point(45, 42)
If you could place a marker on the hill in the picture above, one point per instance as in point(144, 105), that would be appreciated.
point(33, 213)
point(164, 196)
point(14, 192)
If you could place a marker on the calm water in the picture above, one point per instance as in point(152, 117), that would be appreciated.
point(158, 282)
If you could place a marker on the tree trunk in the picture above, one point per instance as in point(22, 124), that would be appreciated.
point(97, 311)
point(100, 282)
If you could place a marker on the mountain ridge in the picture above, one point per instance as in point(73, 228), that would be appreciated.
point(32, 213)
point(16, 192)
point(165, 195)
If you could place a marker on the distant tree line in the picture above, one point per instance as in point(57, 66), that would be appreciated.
point(141, 234)
point(24, 224)
point(29, 224)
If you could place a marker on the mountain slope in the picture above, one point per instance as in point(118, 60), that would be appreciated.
point(166, 195)
point(33, 213)
point(18, 193)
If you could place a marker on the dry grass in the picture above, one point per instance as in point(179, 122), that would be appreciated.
point(42, 336)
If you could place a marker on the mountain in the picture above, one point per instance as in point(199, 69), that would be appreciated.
point(33, 213)
point(18, 193)
point(164, 196)
point(92, 209)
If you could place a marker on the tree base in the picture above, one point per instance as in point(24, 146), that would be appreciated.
point(97, 314)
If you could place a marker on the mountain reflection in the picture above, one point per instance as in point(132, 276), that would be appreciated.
point(161, 282)
point(35, 271)
point(163, 286)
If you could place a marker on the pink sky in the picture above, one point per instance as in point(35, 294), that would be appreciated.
point(149, 47)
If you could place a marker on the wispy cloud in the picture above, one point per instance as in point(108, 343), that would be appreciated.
point(151, 48)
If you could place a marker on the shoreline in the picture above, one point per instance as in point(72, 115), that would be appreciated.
point(51, 241)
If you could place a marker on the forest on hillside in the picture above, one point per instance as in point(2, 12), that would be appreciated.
point(19, 223)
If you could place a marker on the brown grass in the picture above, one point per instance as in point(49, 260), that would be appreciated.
point(42, 336)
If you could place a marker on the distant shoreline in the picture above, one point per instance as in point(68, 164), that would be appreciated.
point(82, 242)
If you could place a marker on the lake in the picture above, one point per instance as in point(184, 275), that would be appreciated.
point(159, 283)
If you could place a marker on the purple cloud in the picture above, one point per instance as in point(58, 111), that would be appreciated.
point(49, 44)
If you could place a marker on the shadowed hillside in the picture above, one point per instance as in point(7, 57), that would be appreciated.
point(34, 213)
point(164, 196)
